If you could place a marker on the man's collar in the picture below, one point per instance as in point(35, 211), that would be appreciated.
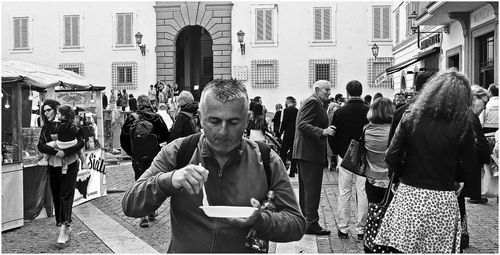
point(355, 99)
point(207, 152)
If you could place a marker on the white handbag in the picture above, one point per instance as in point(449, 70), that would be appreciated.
point(257, 135)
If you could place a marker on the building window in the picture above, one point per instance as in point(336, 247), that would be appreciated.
point(71, 31)
point(381, 23)
point(265, 73)
point(264, 24)
point(396, 22)
point(124, 25)
point(486, 59)
point(124, 75)
point(322, 24)
point(21, 33)
point(376, 69)
point(323, 69)
point(74, 67)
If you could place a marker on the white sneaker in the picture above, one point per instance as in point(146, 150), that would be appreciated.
point(62, 234)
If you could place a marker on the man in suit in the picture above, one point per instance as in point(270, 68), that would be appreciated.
point(349, 121)
point(277, 121)
point(288, 130)
point(309, 149)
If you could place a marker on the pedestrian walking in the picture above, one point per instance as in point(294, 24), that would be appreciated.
point(376, 135)
point(349, 120)
point(309, 149)
point(223, 169)
point(152, 95)
point(62, 185)
point(132, 103)
point(277, 120)
point(257, 125)
point(124, 102)
point(429, 155)
point(368, 100)
point(333, 106)
point(288, 130)
point(119, 98)
point(140, 138)
point(472, 179)
point(186, 121)
point(162, 111)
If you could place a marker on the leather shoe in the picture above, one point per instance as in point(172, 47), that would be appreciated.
point(318, 231)
point(343, 235)
point(361, 236)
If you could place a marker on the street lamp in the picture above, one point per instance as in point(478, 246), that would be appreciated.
point(138, 41)
point(375, 50)
point(415, 28)
point(241, 35)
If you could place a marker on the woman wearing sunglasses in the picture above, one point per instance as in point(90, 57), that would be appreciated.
point(61, 185)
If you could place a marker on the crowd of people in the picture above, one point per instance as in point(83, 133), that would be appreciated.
point(425, 149)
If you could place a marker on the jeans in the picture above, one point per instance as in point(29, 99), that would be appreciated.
point(346, 179)
point(63, 191)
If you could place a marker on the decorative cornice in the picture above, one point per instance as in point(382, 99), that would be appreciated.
point(464, 19)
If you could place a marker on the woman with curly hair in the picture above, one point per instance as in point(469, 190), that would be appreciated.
point(62, 176)
point(429, 154)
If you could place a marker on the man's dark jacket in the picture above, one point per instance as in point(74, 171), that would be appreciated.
point(349, 121)
point(183, 125)
point(276, 122)
point(160, 128)
point(288, 126)
point(132, 104)
point(310, 144)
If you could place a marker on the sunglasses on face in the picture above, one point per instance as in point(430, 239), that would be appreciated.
point(47, 110)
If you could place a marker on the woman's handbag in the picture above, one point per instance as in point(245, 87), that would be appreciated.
point(257, 135)
point(374, 219)
point(354, 159)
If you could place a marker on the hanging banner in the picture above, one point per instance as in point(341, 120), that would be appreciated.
point(91, 179)
point(381, 78)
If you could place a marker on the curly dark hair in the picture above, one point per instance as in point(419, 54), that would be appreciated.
point(54, 104)
point(446, 96)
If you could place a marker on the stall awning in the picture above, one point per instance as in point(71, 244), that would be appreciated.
point(418, 57)
point(42, 77)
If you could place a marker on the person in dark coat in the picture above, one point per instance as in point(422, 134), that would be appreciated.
point(161, 131)
point(104, 101)
point(277, 120)
point(349, 121)
point(288, 130)
point(185, 123)
point(309, 149)
point(132, 103)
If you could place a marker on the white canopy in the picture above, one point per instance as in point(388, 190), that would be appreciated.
point(42, 76)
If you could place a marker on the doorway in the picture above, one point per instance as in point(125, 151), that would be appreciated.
point(193, 59)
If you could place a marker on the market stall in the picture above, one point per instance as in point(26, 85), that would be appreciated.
point(25, 187)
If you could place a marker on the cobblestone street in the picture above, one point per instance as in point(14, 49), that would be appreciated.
point(39, 236)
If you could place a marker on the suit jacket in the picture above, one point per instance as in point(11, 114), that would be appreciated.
point(276, 122)
point(310, 144)
point(288, 126)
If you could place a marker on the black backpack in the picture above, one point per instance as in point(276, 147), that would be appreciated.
point(188, 146)
point(143, 140)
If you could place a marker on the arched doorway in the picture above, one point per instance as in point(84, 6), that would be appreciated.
point(193, 59)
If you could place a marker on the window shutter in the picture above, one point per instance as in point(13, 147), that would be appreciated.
point(397, 27)
point(67, 31)
point(75, 20)
point(386, 23)
point(326, 23)
point(119, 29)
point(128, 28)
point(17, 33)
point(376, 23)
point(24, 29)
point(260, 24)
point(269, 25)
point(317, 24)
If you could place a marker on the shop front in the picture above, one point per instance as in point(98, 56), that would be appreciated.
point(25, 184)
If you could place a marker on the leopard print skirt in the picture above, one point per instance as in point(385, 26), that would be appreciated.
point(421, 221)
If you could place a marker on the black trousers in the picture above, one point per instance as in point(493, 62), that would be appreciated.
point(310, 180)
point(140, 167)
point(283, 155)
point(63, 191)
